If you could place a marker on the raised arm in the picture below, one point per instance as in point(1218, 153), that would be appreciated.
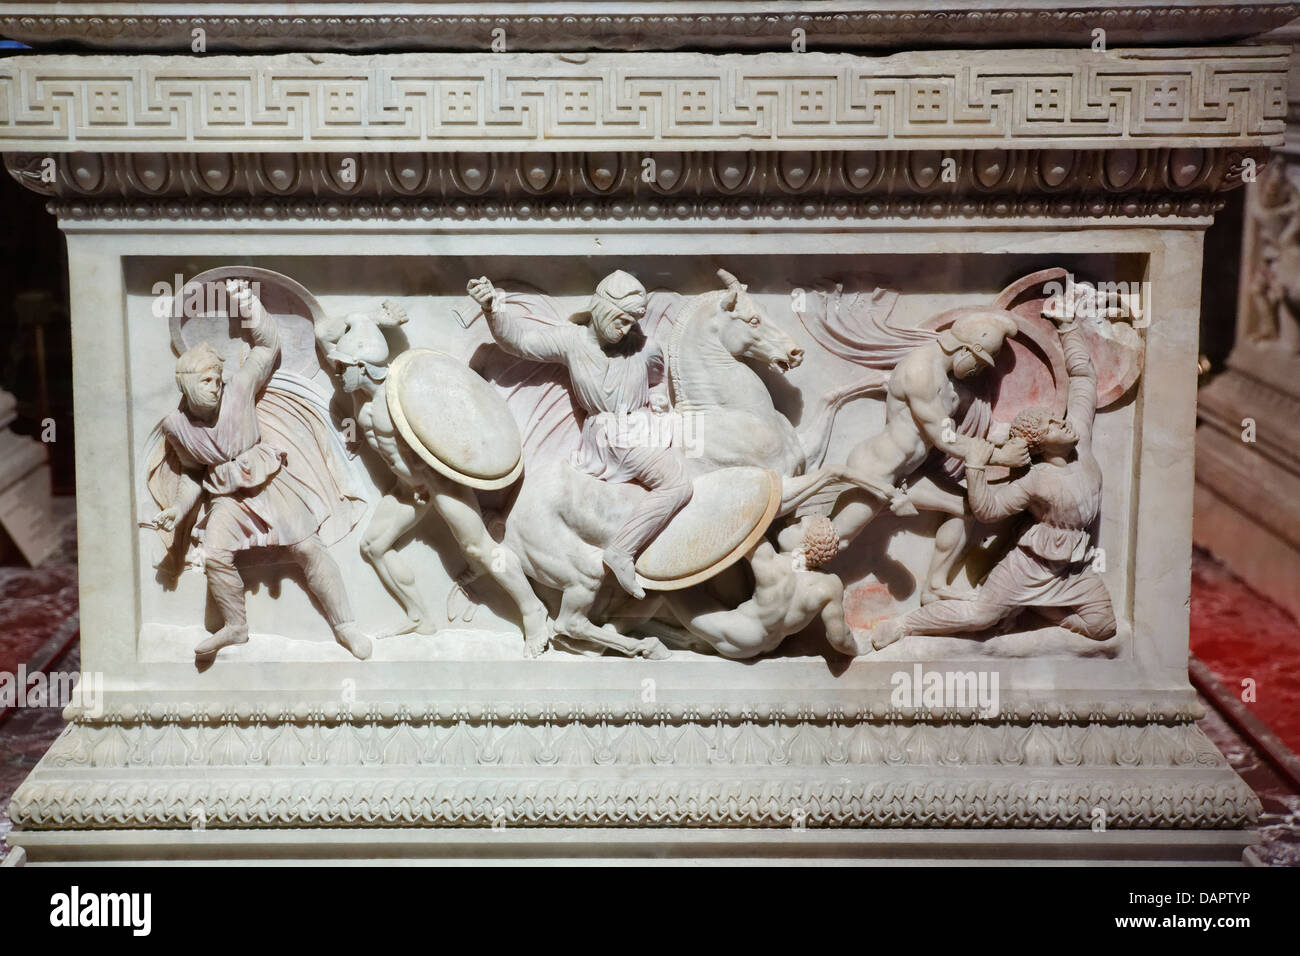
point(1081, 407)
point(519, 337)
point(261, 361)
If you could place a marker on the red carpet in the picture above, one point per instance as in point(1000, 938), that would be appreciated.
point(1240, 634)
point(35, 602)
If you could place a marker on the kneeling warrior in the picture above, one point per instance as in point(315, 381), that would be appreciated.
point(1050, 568)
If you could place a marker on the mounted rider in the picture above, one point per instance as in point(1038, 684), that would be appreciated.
point(615, 373)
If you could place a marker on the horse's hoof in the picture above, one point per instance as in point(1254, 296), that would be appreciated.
point(652, 649)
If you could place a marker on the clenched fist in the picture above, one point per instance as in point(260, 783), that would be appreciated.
point(1014, 454)
point(482, 291)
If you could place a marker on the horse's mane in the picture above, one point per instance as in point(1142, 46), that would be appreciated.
point(680, 323)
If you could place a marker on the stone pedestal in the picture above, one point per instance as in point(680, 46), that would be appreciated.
point(1247, 463)
point(24, 491)
point(848, 200)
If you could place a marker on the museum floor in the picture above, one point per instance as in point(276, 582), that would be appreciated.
point(1235, 632)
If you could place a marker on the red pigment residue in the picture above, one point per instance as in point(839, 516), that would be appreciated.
point(1241, 635)
point(1030, 384)
point(866, 604)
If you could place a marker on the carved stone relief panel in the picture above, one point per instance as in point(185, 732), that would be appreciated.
point(810, 392)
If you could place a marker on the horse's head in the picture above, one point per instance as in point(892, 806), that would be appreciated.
point(748, 333)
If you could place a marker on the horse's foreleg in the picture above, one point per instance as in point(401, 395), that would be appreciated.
point(574, 622)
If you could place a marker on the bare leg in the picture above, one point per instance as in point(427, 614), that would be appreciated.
point(226, 588)
point(950, 542)
point(459, 508)
point(393, 518)
point(858, 512)
point(1288, 327)
point(326, 583)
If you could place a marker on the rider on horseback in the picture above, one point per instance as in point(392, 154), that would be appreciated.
point(615, 372)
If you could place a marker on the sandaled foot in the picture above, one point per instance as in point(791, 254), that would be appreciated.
point(623, 567)
point(226, 637)
point(356, 643)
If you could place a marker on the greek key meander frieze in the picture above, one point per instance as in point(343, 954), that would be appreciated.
point(657, 26)
point(1026, 99)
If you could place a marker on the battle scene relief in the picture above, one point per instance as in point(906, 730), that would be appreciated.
point(663, 457)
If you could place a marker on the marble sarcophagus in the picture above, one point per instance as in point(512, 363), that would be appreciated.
point(768, 450)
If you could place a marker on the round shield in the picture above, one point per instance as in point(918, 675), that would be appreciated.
point(200, 313)
point(1117, 348)
point(727, 515)
point(454, 420)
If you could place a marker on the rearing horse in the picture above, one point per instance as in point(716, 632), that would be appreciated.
point(717, 391)
point(562, 519)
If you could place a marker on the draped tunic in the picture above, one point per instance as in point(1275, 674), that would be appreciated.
point(611, 386)
point(255, 501)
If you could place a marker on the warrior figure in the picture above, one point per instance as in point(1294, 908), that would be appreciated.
point(789, 594)
point(254, 500)
point(615, 372)
point(358, 351)
point(921, 405)
point(1050, 568)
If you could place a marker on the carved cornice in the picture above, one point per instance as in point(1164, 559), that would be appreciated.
point(733, 802)
point(851, 185)
point(653, 25)
point(1063, 707)
point(1023, 99)
point(750, 742)
point(661, 775)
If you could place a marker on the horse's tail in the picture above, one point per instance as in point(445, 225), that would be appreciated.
point(815, 435)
